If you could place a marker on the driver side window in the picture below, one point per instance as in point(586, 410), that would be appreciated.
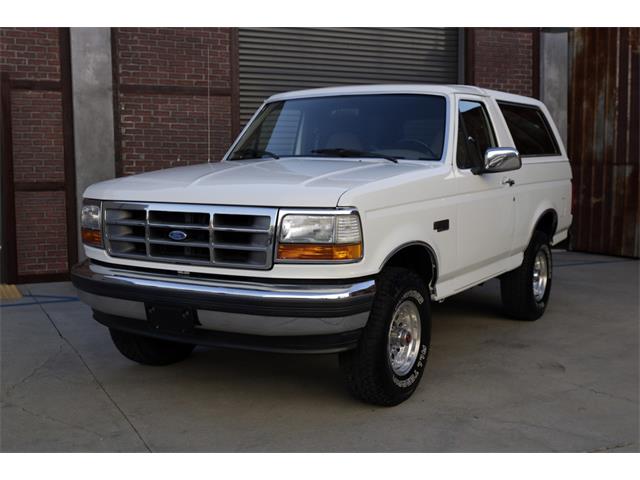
point(475, 134)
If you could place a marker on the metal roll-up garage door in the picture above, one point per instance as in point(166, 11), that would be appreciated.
point(274, 60)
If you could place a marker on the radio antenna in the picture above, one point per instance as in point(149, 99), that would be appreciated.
point(208, 103)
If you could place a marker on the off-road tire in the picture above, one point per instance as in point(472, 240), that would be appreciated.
point(516, 286)
point(149, 351)
point(367, 369)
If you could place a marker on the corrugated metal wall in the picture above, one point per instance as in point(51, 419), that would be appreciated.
point(604, 140)
point(274, 60)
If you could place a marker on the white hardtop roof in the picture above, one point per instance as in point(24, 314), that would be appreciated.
point(425, 88)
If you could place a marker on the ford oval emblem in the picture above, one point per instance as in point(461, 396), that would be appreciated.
point(177, 235)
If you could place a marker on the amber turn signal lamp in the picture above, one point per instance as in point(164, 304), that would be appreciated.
point(92, 237)
point(300, 251)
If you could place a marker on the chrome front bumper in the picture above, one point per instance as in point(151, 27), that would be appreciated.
point(281, 316)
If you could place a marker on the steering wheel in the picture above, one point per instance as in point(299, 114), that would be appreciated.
point(425, 148)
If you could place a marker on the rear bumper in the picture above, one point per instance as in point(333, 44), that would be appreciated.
point(283, 316)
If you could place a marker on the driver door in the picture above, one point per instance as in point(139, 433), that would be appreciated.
point(486, 210)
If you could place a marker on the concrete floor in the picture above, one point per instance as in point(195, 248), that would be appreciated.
point(568, 382)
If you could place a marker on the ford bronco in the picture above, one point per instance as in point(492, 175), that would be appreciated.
point(330, 225)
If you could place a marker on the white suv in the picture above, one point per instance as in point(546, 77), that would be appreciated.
point(333, 221)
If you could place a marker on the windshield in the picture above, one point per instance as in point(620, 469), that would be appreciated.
point(398, 126)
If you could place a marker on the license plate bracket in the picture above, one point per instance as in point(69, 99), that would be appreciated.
point(171, 319)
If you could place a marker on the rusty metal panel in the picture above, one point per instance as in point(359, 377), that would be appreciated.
point(604, 140)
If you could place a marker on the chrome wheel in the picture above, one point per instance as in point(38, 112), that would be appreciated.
point(404, 338)
point(540, 275)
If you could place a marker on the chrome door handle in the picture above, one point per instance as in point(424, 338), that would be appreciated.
point(509, 181)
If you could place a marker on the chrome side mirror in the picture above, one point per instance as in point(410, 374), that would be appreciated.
point(501, 160)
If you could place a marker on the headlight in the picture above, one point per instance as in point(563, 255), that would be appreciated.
point(320, 237)
point(91, 221)
point(307, 229)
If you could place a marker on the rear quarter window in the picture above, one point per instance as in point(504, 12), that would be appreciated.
point(529, 129)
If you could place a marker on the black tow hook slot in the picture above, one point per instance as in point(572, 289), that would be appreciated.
point(441, 225)
point(171, 319)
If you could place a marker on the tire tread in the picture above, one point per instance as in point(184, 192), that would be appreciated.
point(363, 376)
point(515, 286)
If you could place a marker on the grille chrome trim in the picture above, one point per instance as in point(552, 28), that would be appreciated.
point(217, 235)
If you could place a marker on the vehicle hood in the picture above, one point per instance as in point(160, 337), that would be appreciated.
point(286, 182)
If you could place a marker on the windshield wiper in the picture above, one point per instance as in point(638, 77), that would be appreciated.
point(247, 153)
point(347, 152)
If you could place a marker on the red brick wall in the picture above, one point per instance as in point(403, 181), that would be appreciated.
point(164, 123)
point(162, 131)
point(41, 232)
point(38, 153)
point(173, 56)
point(30, 53)
point(503, 59)
point(33, 54)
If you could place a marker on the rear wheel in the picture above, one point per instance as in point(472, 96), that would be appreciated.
point(149, 351)
point(525, 290)
point(388, 363)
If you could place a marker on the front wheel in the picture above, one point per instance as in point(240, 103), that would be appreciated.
point(388, 363)
point(525, 290)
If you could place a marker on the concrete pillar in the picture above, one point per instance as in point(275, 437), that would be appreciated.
point(92, 81)
point(554, 75)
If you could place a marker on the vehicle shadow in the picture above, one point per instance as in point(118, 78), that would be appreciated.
point(266, 374)
point(481, 302)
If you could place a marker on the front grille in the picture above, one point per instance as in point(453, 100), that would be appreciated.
point(221, 236)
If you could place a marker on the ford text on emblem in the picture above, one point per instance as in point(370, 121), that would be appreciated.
point(177, 235)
